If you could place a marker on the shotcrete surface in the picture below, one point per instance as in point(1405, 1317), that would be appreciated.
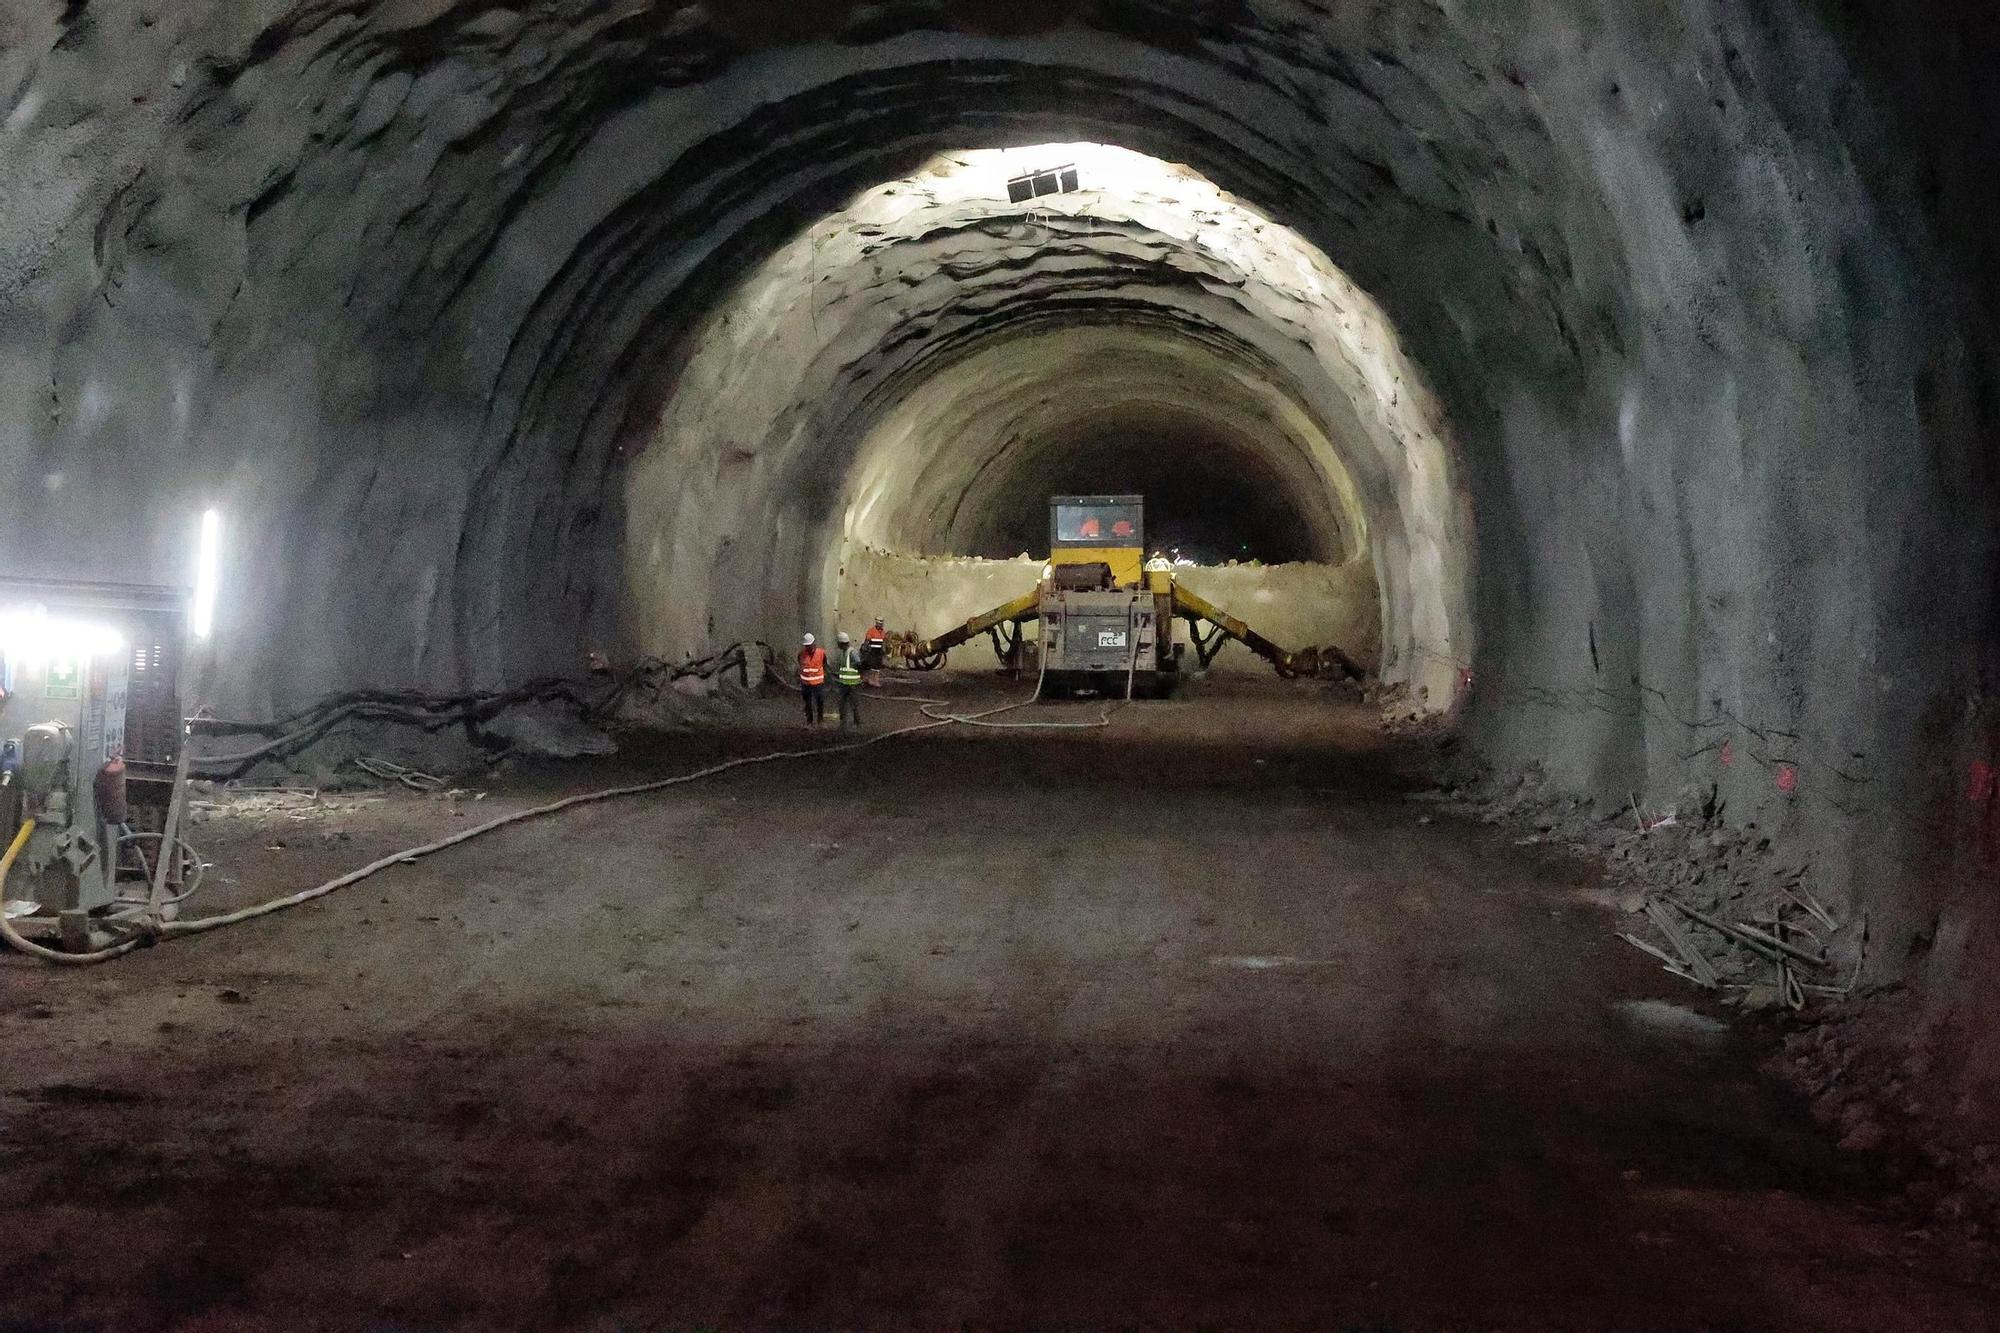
point(874, 1041)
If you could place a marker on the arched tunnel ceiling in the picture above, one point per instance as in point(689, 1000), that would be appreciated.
point(411, 284)
point(914, 366)
point(1051, 413)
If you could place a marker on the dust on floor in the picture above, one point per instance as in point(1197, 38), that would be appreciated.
point(1191, 1020)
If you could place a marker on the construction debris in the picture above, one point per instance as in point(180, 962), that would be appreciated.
point(1715, 908)
point(1733, 922)
point(221, 801)
point(1692, 963)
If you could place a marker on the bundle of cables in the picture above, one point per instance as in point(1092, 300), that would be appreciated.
point(594, 700)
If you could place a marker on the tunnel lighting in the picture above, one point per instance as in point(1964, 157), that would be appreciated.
point(207, 576)
point(1033, 184)
point(29, 634)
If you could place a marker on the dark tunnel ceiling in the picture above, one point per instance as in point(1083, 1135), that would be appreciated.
point(1201, 502)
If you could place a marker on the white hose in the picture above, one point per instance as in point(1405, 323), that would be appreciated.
point(170, 929)
point(192, 869)
point(1095, 724)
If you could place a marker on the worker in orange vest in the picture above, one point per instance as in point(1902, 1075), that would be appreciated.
point(812, 681)
point(875, 651)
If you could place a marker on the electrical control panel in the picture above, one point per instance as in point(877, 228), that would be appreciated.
point(70, 655)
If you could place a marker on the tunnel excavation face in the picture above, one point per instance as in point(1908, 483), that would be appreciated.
point(1205, 503)
point(1639, 353)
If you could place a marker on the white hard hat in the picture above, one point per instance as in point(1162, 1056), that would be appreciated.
point(810, 641)
point(842, 637)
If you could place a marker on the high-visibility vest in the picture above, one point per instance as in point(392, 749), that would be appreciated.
point(876, 634)
point(812, 666)
point(850, 674)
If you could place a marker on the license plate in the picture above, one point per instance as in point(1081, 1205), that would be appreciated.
point(1111, 638)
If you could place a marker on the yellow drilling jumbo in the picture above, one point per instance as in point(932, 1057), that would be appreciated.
point(1107, 613)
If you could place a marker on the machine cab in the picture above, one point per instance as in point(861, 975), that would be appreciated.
point(1097, 542)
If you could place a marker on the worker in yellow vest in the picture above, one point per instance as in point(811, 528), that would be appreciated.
point(812, 681)
point(847, 667)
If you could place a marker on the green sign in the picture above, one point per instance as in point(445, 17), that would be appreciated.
point(65, 680)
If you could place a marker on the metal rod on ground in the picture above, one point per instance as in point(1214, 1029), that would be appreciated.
point(1755, 940)
point(1644, 947)
point(156, 900)
point(1806, 956)
point(1728, 932)
point(1668, 962)
point(1694, 959)
point(1790, 993)
point(1799, 894)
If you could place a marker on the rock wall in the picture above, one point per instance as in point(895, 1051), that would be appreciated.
point(1696, 296)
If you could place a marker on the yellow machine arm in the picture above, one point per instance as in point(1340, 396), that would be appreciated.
point(1308, 662)
point(928, 653)
point(1019, 611)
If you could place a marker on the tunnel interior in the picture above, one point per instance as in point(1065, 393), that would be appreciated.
point(927, 364)
point(1634, 361)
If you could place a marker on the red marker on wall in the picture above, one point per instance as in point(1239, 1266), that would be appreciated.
point(1788, 779)
point(1980, 790)
point(1728, 752)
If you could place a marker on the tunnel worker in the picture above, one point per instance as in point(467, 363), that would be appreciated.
point(812, 681)
point(848, 674)
point(875, 651)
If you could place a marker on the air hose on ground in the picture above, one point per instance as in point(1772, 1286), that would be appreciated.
point(151, 930)
point(1101, 721)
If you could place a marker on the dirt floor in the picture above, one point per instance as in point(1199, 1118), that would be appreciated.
point(1193, 1021)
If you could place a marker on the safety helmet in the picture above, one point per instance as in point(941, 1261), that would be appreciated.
point(842, 637)
point(878, 620)
point(810, 640)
